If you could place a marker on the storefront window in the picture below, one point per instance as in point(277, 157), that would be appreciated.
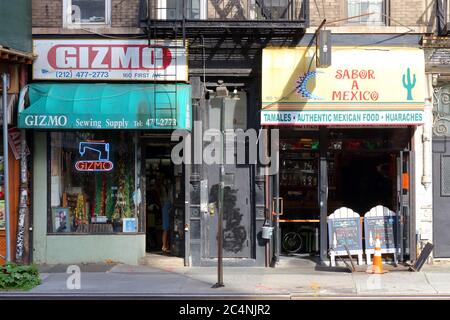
point(92, 182)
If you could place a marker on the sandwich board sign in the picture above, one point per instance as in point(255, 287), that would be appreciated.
point(344, 229)
point(382, 222)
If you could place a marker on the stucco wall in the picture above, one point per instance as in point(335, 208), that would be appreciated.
point(424, 174)
point(53, 249)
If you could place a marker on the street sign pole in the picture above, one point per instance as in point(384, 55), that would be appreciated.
point(220, 216)
point(222, 92)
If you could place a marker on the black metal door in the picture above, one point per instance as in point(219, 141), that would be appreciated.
point(236, 215)
point(441, 197)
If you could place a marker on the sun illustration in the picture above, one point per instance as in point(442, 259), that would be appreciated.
point(302, 86)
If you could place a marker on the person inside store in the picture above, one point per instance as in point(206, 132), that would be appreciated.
point(166, 201)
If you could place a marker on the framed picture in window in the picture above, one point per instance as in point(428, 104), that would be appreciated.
point(61, 220)
point(129, 225)
point(2, 215)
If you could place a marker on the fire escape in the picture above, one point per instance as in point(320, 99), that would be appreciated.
point(214, 16)
point(228, 32)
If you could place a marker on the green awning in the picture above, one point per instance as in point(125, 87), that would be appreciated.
point(107, 106)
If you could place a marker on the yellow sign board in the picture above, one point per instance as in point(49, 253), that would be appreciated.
point(364, 85)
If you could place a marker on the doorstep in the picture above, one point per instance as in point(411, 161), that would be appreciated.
point(161, 261)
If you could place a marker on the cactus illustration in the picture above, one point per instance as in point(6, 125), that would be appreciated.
point(408, 84)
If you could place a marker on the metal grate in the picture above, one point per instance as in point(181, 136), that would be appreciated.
point(445, 176)
point(441, 110)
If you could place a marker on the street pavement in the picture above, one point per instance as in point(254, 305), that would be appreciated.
point(165, 277)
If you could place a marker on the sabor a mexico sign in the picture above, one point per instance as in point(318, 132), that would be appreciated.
point(363, 86)
point(103, 60)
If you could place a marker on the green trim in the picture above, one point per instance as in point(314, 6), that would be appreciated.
point(390, 110)
point(337, 102)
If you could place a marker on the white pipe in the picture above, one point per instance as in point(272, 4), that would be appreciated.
point(427, 130)
point(426, 139)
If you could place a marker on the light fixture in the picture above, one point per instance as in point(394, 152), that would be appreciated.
point(221, 90)
point(235, 95)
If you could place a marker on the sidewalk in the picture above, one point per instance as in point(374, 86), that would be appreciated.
point(169, 279)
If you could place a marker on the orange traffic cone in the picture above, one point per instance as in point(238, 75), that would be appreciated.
point(377, 264)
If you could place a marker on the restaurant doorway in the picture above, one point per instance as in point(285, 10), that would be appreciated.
point(354, 168)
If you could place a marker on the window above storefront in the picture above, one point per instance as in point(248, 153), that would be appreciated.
point(86, 12)
point(367, 12)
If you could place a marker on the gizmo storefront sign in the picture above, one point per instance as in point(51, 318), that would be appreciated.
point(96, 122)
point(363, 86)
point(109, 60)
point(100, 161)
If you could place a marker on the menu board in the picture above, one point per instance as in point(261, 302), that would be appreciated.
point(345, 231)
point(384, 226)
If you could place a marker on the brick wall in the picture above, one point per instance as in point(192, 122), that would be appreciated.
point(332, 10)
point(410, 13)
point(46, 13)
point(124, 13)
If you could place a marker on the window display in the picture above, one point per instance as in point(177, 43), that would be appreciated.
point(92, 176)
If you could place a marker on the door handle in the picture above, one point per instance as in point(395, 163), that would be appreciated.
point(279, 200)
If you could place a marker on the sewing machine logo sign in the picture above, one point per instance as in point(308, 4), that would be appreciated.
point(96, 157)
